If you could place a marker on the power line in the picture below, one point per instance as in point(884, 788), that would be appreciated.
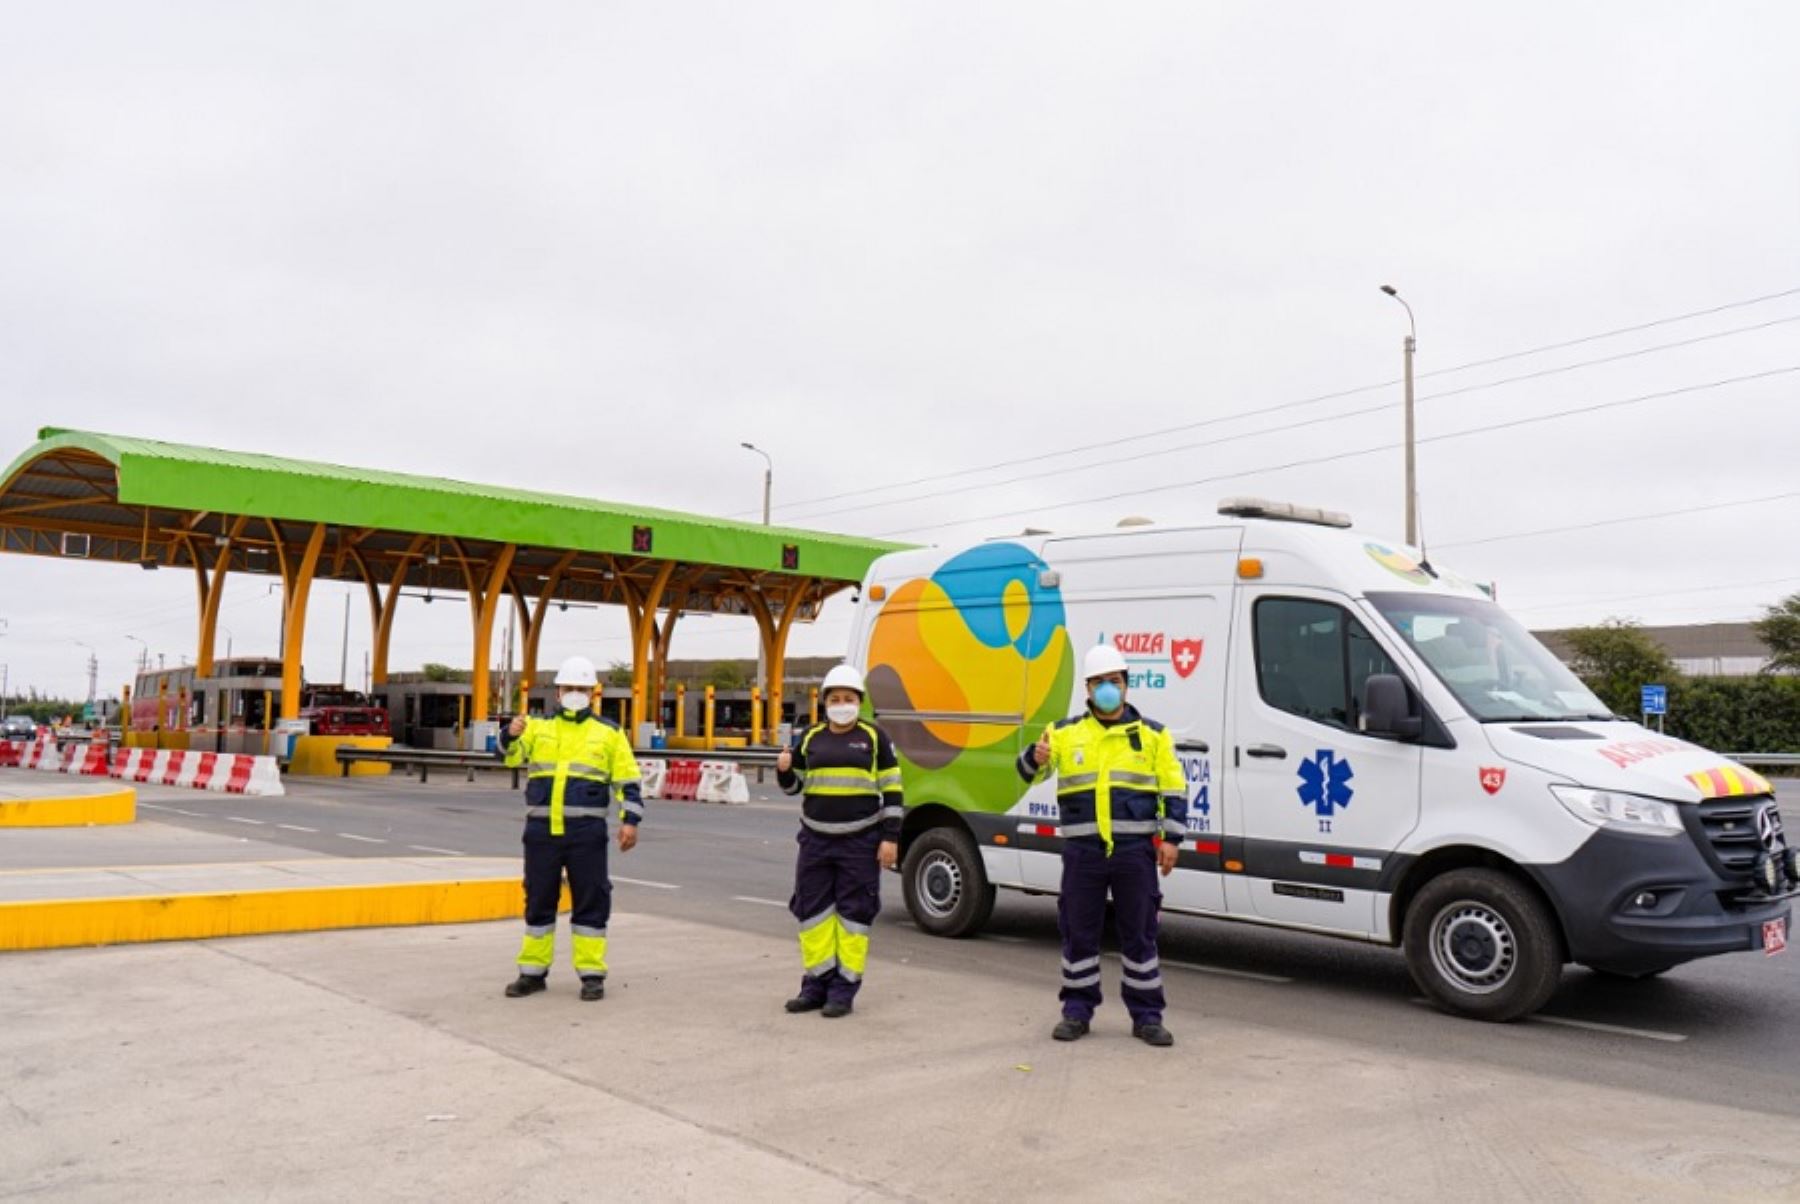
point(1616, 522)
point(1277, 430)
point(1323, 397)
point(1659, 593)
point(1349, 455)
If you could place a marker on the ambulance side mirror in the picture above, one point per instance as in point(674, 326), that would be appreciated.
point(1386, 709)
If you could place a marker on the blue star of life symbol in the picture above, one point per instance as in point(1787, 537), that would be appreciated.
point(1325, 785)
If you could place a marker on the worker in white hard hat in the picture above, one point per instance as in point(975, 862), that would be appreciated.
point(849, 832)
point(579, 766)
point(1121, 797)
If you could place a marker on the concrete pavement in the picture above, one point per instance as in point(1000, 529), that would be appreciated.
point(385, 1063)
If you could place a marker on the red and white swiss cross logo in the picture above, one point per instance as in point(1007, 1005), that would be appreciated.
point(1186, 655)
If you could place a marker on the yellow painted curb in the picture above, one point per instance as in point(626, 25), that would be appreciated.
point(73, 923)
point(70, 811)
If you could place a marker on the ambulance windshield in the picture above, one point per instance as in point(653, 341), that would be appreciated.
point(1496, 668)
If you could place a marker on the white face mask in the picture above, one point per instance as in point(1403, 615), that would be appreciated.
point(843, 714)
point(573, 700)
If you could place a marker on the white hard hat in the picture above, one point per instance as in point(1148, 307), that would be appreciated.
point(578, 671)
point(844, 677)
point(1102, 659)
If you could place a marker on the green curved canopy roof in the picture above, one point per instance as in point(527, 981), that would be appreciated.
point(180, 477)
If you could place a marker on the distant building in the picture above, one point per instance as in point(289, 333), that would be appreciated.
point(1698, 649)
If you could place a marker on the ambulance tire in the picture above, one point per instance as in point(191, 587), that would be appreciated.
point(946, 886)
point(1482, 945)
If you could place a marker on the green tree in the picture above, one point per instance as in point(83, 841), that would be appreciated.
point(727, 675)
point(437, 672)
point(619, 674)
point(1779, 628)
point(1616, 658)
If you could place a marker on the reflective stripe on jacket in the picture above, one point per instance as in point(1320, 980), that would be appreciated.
point(851, 781)
point(1116, 782)
point(575, 763)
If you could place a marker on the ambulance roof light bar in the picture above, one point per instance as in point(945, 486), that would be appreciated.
point(1255, 507)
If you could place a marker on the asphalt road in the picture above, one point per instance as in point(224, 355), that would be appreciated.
point(1719, 1030)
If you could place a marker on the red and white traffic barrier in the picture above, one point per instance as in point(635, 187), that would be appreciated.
point(722, 782)
point(42, 753)
point(12, 752)
point(229, 773)
point(682, 780)
point(88, 759)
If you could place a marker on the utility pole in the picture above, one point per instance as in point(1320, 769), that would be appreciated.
point(762, 654)
point(344, 657)
point(1412, 482)
point(506, 655)
point(5, 674)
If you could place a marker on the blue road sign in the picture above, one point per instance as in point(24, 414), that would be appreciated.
point(1656, 700)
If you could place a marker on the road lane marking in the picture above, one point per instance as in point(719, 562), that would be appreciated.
point(425, 848)
point(762, 902)
point(641, 882)
point(238, 819)
point(297, 828)
point(1248, 975)
point(1646, 1034)
point(1593, 1026)
point(364, 839)
point(154, 807)
point(189, 814)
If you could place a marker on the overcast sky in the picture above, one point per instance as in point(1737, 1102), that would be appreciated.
point(591, 248)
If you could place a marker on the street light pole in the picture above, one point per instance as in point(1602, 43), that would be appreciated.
point(1412, 481)
point(768, 476)
point(93, 668)
point(143, 655)
point(762, 653)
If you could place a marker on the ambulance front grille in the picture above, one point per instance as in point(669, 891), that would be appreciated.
point(1729, 825)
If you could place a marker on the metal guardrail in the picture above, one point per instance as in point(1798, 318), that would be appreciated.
point(427, 759)
point(1771, 760)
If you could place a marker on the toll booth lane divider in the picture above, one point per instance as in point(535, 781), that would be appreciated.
point(475, 891)
point(71, 810)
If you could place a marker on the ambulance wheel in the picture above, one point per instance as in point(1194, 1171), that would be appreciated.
point(1481, 944)
point(946, 886)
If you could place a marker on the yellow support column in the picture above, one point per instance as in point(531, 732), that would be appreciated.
point(487, 606)
point(680, 710)
point(708, 719)
point(294, 595)
point(643, 639)
point(756, 715)
point(813, 706)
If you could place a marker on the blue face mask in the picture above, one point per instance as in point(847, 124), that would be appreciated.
point(1108, 697)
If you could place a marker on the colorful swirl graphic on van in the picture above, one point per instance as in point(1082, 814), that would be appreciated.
point(962, 666)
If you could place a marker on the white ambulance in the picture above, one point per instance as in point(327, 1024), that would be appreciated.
point(1374, 750)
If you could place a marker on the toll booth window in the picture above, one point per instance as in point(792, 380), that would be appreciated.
point(196, 710)
point(1314, 659)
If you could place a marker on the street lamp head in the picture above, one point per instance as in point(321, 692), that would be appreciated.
point(1390, 290)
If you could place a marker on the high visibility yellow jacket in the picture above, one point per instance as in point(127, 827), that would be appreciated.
point(577, 764)
point(1116, 782)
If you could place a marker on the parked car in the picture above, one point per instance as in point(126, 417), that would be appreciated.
point(18, 727)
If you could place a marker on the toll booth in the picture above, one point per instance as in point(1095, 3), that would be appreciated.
point(230, 711)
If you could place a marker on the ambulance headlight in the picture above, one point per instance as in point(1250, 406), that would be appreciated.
point(1620, 812)
point(1767, 873)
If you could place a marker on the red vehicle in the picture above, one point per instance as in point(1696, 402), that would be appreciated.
point(333, 711)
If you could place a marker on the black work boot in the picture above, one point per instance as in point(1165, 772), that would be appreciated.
point(1153, 1034)
point(1070, 1029)
point(804, 1003)
point(593, 987)
point(834, 1009)
point(526, 984)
